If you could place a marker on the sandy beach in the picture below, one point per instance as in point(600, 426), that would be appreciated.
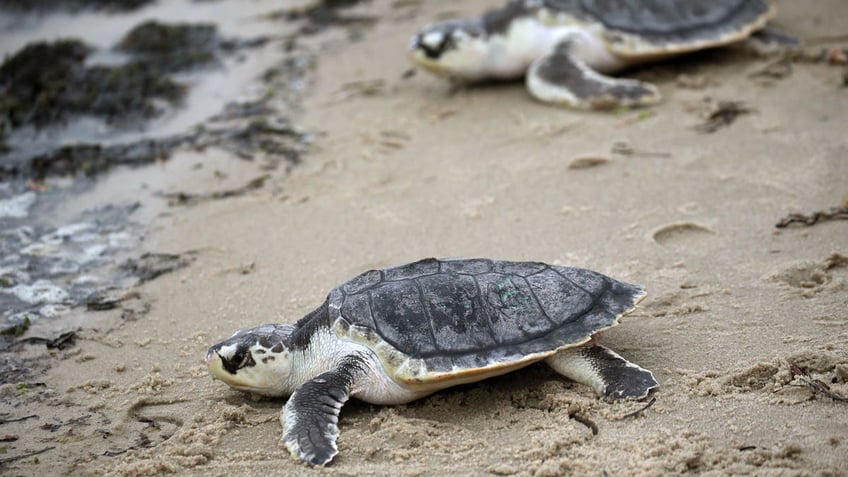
point(745, 324)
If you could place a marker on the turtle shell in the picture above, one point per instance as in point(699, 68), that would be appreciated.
point(438, 319)
point(651, 28)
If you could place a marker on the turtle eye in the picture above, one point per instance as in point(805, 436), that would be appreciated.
point(247, 360)
point(450, 41)
point(454, 39)
point(243, 358)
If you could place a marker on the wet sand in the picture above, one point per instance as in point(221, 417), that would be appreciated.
point(405, 168)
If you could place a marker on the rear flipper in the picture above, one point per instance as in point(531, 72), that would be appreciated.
point(770, 40)
point(561, 78)
point(603, 370)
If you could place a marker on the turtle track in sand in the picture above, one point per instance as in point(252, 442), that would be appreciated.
point(783, 380)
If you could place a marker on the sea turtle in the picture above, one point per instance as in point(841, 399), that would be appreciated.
point(565, 48)
point(395, 335)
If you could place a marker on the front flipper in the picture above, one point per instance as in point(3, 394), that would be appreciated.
point(561, 78)
point(310, 417)
point(603, 370)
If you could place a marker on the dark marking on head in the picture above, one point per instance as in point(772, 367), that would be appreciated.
point(278, 348)
point(267, 359)
point(260, 351)
point(449, 30)
point(242, 358)
point(435, 51)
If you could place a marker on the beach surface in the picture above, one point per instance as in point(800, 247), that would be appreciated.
point(745, 324)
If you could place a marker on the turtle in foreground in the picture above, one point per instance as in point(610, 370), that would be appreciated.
point(566, 48)
point(395, 335)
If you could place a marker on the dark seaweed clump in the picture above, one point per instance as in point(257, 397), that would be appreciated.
point(45, 83)
point(72, 5)
point(327, 13)
point(91, 158)
point(169, 48)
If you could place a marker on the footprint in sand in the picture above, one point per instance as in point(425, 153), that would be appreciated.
point(680, 233)
point(677, 303)
point(143, 429)
point(384, 143)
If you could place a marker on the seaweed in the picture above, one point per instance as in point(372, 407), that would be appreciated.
point(92, 159)
point(152, 265)
point(172, 47)
point(72, 5)
point(723, 114)
point(16, 330)
point(185, 198)
point(325, 14)
point(33, 79)
point(49, 84)
point(45, 83)
point(25, 455)
point(833, 213)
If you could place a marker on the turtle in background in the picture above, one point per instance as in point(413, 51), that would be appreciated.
point(395, 335)
point(566, 49)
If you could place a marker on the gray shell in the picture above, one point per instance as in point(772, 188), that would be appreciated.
point(661, 23)
point(471, 313)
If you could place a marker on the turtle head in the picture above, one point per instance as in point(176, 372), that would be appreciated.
point(457, 49)
point(257, 360)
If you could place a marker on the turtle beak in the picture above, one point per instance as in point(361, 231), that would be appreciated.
point(214, 363)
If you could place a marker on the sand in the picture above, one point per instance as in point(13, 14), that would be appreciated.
point(741, 316)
